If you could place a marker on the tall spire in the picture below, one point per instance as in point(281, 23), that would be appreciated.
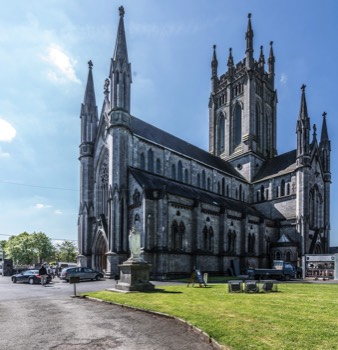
point(120, 70)
point(303, 107)
point(121, 42)
point(325, 149)
point(89, 115)
point(249, 44)
point(324, 135)
point(89, 100)
point(261, 60)
point(271, 65)
point(214, 65)
point(303, 131)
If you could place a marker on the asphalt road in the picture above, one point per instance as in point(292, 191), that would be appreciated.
point(48, 318)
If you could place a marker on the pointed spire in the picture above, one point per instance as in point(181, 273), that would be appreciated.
point(261, 58)
point(271, 55)
point(89, 115)
point(303, 108)
point(303, 132)
point(271, 65)
point(324, 135)
point(230, 59)
point(89, 100)
point(214, 63)
point(314, 135)
point(249, 44)
point(121, 42)
point(120, 70)
point(325, 150)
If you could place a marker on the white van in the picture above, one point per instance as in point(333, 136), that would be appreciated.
point(64, 265)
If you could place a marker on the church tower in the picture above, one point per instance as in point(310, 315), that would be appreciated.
point(242, 110)
point(325, 153)
point(89, 120)
point(119, 146)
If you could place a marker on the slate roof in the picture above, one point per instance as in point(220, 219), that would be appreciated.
point(153, 182)
point(277, 166)
point(151, 133)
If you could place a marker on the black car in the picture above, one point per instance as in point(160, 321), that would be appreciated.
point(29, 276)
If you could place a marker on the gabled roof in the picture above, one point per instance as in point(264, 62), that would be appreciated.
point(162, 138)
point(150, 181)
point(277, 166)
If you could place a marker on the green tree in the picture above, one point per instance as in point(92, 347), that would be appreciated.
point(66, 251)
point(29, 249)
point(43, 246)
point(3, 244)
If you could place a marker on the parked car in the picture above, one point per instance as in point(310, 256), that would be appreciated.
point(84, 273)
point(29, 276)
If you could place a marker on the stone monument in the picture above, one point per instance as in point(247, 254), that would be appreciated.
point(134, 272)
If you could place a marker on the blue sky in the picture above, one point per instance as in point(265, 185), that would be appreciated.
point(44, 50)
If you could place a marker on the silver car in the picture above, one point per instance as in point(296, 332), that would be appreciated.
point(84, 273)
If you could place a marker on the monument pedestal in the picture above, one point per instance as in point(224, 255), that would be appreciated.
point(134, 276)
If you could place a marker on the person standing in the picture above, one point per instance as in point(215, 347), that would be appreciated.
point(43, 275)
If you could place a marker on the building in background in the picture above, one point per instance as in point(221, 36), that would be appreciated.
point(238, 205)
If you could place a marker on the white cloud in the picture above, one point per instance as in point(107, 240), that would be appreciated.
point(57, 212)
point(7, 131)
point(62, 64)
point(41, 206)
point(283, 79)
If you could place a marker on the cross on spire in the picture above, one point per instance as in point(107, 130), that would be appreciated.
point(121, 10)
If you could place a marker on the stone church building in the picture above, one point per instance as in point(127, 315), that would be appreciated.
point(238, 204)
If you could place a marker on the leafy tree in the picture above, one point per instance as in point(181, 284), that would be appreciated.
point(2, 244)
point(66, 251)
point(28, 248)
point(43, 246)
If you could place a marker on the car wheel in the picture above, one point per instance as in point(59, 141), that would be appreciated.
point(14, 280)
point(97, 277)
point(31, 281)
point(287, 278)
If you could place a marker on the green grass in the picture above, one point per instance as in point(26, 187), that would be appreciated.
point(298, 316)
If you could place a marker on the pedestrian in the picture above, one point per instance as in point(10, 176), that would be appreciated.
point(43, 275)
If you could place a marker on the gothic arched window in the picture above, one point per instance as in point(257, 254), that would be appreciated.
point(174, 233)
point(223, 186)
point(209, 184)
point(103, 185)
point(179, 171)
point(173, 171)
point(198, 180)
point(237, 126)
point(282, 188)
point(278, 255)
point(221, 131)
point(186, 176)
point(258, 124)
point(203, 179)
point(150, 160)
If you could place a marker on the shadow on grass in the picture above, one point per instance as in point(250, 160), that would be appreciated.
point(159, 290)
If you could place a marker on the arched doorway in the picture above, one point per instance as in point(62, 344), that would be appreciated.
point(100, 249)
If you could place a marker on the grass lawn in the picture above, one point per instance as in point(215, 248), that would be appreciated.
point(298, 316)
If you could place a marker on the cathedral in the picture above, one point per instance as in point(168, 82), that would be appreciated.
point(238, 205)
